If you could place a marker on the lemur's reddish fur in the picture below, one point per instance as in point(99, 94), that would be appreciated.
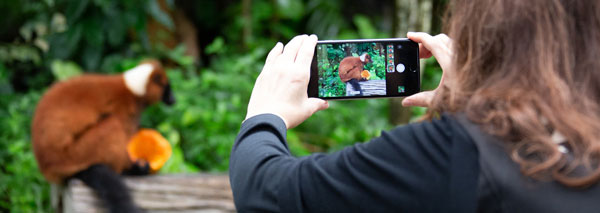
point(351, 67)
point(89, 120)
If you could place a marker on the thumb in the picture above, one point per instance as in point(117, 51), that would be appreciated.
point(317, 104)
point(422, 99)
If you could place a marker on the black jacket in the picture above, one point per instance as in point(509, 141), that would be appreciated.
point(422, 167)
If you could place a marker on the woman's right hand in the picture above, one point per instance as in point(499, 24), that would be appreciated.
point(440, 47)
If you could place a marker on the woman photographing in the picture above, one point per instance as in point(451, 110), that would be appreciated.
point(514, 125)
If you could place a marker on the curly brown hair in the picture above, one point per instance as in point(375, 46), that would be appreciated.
point(525, 69)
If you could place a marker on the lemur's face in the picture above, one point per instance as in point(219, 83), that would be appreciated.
point(159, 88)
point(149, 81)
point(365, 58)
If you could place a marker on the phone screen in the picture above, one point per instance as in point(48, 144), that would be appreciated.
point(348, 69)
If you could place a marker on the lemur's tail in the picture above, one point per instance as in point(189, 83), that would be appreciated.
point(355, 85)
point(110, 188)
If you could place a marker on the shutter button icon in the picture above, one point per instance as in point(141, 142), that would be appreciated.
point(400, 68)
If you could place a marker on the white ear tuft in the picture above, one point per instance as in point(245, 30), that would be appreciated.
point(363, 57)
point(136, 78)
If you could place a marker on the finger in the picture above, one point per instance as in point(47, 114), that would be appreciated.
point(271, 58)
point(445, 41)
point(291, 48)
point(317, 104)
point(444, 38)
point(274, 53)
point(424, 52)
point(418, 37)
point(422, 99)
point(432, 44)
point(306, 52)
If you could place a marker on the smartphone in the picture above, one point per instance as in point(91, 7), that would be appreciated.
point(365, 68)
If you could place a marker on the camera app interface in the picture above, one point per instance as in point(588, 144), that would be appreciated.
point(360, 69)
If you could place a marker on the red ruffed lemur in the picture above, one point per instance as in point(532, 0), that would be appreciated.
point(350, 69)
point(82, 126)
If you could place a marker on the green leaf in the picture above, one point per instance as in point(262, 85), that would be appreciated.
point(5, 85)
point(292, 9)
point(178, 55)
point(63, 70)
point(154, 9)
point(105, 5)
point(92, 32)
point(365, 28)
point(18, 52)
point(75, 9)
point(91, 57)
point(296, 145)
point(62, 45)
point(143, 37)
point(115, 30)
point(176, 164)
point(190, 116)
point(216, 46)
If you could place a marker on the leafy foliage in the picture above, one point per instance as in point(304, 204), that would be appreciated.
point(46, 41)
point(22, 188)
point(208, 110)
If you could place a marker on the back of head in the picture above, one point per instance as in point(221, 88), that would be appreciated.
point(526, 69)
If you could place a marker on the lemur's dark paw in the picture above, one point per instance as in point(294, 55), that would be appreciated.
point(139, 167)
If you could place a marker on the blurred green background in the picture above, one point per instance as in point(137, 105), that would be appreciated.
point(213, 50)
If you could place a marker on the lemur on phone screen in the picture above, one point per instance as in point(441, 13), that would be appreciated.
point(350, 70)
point(82, 126)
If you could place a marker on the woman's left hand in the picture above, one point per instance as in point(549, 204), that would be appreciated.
point(440, 47)
point(281, 87)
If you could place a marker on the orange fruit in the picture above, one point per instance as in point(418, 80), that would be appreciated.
point(151, 146)
point(365, 74)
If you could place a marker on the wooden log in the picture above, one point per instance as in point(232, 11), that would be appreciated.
point(370, 87)
point(159, 194)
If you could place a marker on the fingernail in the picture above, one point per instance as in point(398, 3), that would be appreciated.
point(409, 33)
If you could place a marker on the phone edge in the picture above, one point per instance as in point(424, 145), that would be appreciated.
point(362, 97)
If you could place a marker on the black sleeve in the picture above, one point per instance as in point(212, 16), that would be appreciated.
point(422, 167)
